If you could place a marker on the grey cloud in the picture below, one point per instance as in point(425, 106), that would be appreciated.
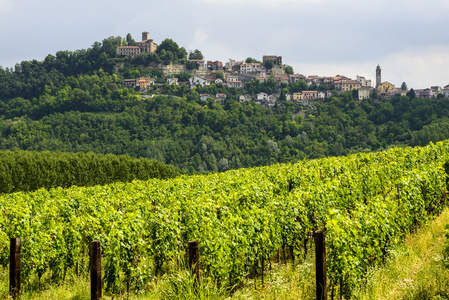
point(338, 34)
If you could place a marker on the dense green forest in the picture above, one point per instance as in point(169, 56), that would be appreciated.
point(74, 102)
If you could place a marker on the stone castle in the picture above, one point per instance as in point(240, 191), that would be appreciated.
point(146, 45)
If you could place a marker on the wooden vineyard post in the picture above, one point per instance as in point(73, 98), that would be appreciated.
point(95, 270)
point(194, 257)
point(320, 257)
point(14, 267)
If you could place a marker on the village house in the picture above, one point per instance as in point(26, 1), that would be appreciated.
point(337, 85)
point(215, 65)
point(424, 93)
point(296, 78)
point(397, 91)
point(144, 83)
point(446, 92)
point(271, 102)
point(282, 79)
point(262, 96)
point(130, 82)
point(321, 95)
point(298, 96)
point(328, 81)
point(233, 81)
point(232, 64)
point(337, 81)
point(146, 45)
point(274, 58)
point(171, 81)
point(201, 64)
point(250, 68)
point(196, 80)
point(310, 94)
point(220, 97)
point(363, 81)
point(385, 87)
point(349, 85)
point(243, 98)
point(311, 79)
point(364, 93)
point(435, 89)
point(204, 97)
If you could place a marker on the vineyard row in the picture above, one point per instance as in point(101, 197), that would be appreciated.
point(243, 219)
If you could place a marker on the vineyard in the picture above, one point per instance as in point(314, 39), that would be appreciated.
point(243, 220)
point(25, 171)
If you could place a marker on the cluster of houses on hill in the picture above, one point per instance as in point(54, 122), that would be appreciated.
point(254, 71)
point(235, 74)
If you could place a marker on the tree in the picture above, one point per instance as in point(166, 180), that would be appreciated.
point(411, 94)
point(297, 87)
point(168, 45)
point(190, 65)
point(196, 55)
point(223, 164)
point(251, 60)
point(130, 41)
point(182, 76)
point(110, 44)
point(404, 86)
point(289, 69)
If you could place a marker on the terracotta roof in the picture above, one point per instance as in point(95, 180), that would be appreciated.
point(128, 47)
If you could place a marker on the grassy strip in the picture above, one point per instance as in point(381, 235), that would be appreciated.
point(414, 271)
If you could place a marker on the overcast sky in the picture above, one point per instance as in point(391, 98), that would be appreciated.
point(409, 39)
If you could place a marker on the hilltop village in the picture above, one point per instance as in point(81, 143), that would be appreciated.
point(237, 74)
point(157, 100)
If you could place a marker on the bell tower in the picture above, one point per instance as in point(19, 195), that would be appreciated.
point(378, 76)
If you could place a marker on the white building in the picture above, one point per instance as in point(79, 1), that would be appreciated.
point(250, 68)
point(364, 82)
point(171, 81)
point(196, 80)
point(233, 81)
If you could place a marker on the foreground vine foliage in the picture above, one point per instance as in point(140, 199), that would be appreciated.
point(243, 219)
